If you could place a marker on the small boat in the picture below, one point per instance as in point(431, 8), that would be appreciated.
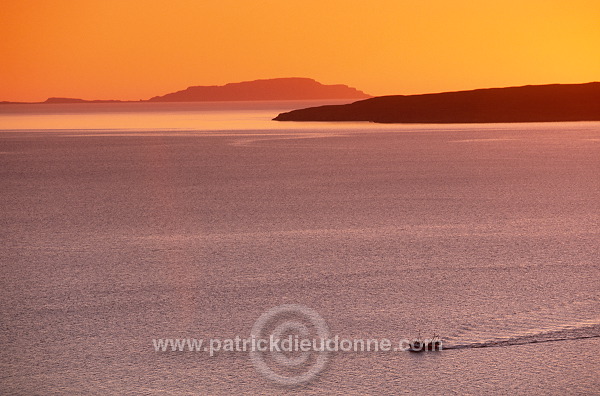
point(429, 344)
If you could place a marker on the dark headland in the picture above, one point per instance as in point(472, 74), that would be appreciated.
point(531, 103)
point(293, 88)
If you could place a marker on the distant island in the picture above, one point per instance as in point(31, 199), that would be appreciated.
point(531, 103)
point(272, 89)
point(293, 88)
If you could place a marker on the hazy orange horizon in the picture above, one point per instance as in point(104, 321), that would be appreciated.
point(136, 49)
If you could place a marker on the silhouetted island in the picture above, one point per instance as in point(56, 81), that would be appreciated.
point(531, 103)
point(272, 89)
point(293, 88)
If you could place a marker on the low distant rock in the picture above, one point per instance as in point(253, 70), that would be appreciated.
point(75, 100)
point(65, 100)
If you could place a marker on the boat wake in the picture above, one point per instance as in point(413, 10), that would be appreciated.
point(572, 321)
point(560, 335)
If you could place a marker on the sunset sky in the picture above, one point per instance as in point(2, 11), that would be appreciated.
point(135, 49)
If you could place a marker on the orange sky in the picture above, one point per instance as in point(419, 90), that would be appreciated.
point(135, 49)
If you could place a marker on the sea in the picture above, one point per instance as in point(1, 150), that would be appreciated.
point(126, 225)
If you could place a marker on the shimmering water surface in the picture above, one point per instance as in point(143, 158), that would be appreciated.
point(122, 223)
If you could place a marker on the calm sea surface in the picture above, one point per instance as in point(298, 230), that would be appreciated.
point(124, 223)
